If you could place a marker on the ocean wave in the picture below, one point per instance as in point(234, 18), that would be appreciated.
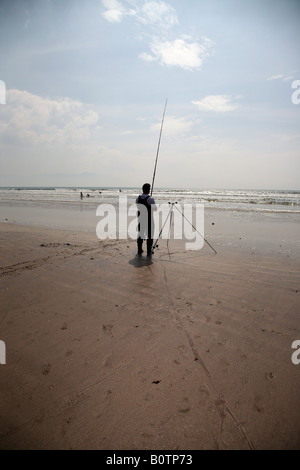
point(278, 201)
point(31, 189)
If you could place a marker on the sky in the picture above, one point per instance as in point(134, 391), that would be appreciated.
point(84, 83)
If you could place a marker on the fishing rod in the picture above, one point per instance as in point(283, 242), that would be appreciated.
point(161, 128)
point(172, 204)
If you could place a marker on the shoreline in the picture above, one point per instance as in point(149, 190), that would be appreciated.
point(187, 350)
point(264, 231)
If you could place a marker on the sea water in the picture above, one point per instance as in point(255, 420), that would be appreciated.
point(272, 201)
point(239, 218)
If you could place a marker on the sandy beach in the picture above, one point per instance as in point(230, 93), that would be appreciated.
point(186, 350)
point(188, 114)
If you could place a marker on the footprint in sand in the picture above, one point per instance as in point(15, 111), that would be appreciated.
point(108, 361)
point(46, 369)
point(185, 406)
point(270, 375)
point(107, 329)
point(256, 404)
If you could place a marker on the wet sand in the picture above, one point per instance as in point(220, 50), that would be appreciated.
point(186, 350)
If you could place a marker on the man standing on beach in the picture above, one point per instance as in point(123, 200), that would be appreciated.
point(146, 223)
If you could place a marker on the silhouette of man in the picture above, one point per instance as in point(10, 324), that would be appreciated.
point(146, 223)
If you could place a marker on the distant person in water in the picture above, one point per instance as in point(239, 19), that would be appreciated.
point(146, 223)
point(81, 195)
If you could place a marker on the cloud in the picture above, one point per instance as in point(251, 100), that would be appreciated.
point(115, 11)
point(149, 13)
point(160, 17)
point(281, 76)
point(127, 132)
point(276, 77)
point(183, 53)
point(216, 103)
point(157, 13)
point(27, 19)
point(174, 126)
point(32, 119)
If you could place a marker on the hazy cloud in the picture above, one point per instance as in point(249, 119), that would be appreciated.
point(27, 19)
point(148, 13)
point(217, 103)
point(160, 17)
point(183, 53)
point(174, 126)
point(115, 11)
point(282, 76)
point(157, 13)
point(33, 119)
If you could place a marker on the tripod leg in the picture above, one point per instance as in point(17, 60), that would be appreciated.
point(196, 230)
point(155, 244)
